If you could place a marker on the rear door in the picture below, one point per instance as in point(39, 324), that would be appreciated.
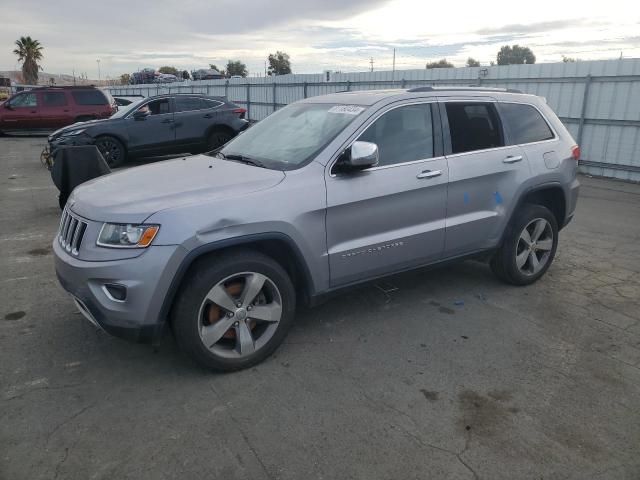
point(484, 174)
point(54, 109)
point(155, 133)
point(21, 112)
point(392, 216)
point(193, 117)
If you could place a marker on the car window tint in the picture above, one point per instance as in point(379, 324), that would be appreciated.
point(525, 124)
point(210, 103)
point(473, 126)
point(403, 134)
point(25, 100)
point(54, 99)
point(89, 97)
point(186, 104)
point(159, 107)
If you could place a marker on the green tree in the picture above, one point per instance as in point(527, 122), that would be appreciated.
point(125, 79)
point(236, 67)
point(221, 71)
point(29, 52)
point(170, 71)
point(472, 62)
point(279, 63)
point(185, 75)
point(440, 64)
point(515, 55)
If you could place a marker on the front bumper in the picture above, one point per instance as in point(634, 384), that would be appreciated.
point(147, 279)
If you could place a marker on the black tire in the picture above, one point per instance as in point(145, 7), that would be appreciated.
point(112, 150)
point(504, 263)
point(207, 274)
point(217, 138)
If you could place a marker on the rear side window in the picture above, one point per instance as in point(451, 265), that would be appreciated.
point(54, 99)
point(211, 103)
point(186, 104)
point(525, 124)
point(473, 126)
point(403, 134)
point(89, 97)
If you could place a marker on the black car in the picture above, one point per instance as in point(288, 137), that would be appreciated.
point(158, 125)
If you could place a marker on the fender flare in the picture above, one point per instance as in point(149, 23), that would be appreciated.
point(198, 252)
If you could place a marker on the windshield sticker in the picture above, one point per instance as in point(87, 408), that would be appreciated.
point(347, 109)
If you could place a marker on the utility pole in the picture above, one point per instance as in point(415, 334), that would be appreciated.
point(371, 62)
point(265, 69)
point(98, 60)
point(393, 74)
point(74, 77)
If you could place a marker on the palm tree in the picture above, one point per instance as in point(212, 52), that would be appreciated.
point(29, 51)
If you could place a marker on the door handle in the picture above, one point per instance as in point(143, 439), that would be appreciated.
point(429, 174)
point(208, 115)
point(167, 121)
point(512, 159)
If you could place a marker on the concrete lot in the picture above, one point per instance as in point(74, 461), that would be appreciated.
point(441, 374)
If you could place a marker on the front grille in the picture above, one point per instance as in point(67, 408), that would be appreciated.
point(71, 232)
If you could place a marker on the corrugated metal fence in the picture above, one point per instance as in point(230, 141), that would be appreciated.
point(598, 101)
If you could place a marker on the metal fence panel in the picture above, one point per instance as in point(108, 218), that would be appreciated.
point(598, 101)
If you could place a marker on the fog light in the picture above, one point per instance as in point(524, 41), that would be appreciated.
point(115, 291)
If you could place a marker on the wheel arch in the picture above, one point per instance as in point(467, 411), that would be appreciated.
point(117, 136)
point(278, 246)
point(221, 127)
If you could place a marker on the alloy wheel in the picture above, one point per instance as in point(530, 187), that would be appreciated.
point(534, 246)
point(239, 315)
point(109, 150)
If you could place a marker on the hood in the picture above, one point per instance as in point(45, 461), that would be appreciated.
point(134, 194)
point(79, 125)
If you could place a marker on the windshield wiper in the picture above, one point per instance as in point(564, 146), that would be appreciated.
point(241, 158)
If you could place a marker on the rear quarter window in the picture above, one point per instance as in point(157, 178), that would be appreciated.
point(89, 97)
point(524, 123)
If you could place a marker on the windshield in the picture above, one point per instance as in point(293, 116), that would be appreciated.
point(122, 111)
point(288, 138)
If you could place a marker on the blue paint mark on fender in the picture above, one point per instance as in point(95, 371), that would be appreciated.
point(466, 197)
point(498, 197)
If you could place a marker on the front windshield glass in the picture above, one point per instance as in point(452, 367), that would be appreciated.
point(122, 111)
point(291, 136)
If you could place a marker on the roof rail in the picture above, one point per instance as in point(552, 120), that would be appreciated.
point(470, 88)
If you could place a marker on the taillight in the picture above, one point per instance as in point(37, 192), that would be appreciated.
point(240, 112)
point(575, 152)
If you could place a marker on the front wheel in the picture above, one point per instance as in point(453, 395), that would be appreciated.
point(528, 248)
point(112, 150)
point(234, 310)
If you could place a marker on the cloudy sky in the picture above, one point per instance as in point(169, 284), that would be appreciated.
point(318, 35)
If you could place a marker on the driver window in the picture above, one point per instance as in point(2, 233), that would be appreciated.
point(157, 107)
point(25, 100)
point(403, 134)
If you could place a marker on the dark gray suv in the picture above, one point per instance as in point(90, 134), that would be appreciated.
point(325, 193)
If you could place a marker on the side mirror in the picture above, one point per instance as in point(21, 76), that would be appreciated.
point(141, 115)
point(358, 156)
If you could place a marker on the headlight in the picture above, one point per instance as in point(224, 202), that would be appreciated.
point(73, 133)
point(117, 235)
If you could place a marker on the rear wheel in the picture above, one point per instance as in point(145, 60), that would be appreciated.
point(529, 246)
point(234, 310)
point(112, 150)
point(217, 138)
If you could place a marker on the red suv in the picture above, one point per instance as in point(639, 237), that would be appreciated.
point(50, 108)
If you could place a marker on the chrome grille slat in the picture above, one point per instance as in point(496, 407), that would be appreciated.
point(71, 232)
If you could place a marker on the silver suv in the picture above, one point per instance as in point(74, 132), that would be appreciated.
point(325, 193)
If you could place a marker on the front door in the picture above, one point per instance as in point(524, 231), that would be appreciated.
point(155, 133)
point(21, 113)
point(392, 216)
point(484, 175)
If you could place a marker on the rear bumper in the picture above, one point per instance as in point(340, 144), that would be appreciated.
point(147, 278)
